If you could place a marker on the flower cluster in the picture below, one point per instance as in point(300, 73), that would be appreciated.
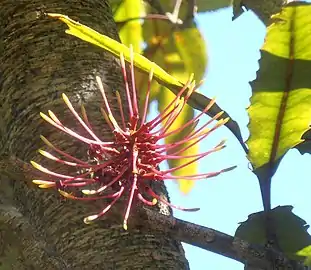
point(126, 164)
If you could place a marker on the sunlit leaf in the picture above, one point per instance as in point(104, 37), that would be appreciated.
point(191, 48)
point(280, 110)
point(125, 11)
point(306, 252)
point(291, 230)
point(143, 64)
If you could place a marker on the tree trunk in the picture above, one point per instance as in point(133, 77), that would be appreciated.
point(39, 62)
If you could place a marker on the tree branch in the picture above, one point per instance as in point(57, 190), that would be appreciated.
point(217, 242)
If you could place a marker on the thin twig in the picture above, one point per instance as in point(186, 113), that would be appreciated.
point(175, 14)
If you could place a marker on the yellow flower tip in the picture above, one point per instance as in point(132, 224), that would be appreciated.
point(36, 165)
point(45, 140)
point(193, 84)
point(118, 95)
point(151, 73)
point(44, 153)
point(191, 77)
point(46, 186)
point(65, 98)
point(88, 192)
point(90, 219)
point(65, 194)
point(125, 226)
point(51, 114)
point(199, 85)
point(154, 201)
point(39, 182)
point(54, 15)
point(43, 183)
point(43, 115)
point(122, 57)
point(36, 182)
point(112, 120)
point(219, 114)
point(222, 122)
point(226, 120)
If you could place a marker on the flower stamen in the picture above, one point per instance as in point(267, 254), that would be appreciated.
point(124, 165)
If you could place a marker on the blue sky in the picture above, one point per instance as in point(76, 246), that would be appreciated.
point(233, 51)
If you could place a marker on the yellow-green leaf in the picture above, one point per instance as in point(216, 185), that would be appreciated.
point(306, 252)
point(87, 34)
point(194, 57)
point(127, 10)
point(280, 110)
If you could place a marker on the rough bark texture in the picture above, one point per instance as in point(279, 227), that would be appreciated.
point(38, 63)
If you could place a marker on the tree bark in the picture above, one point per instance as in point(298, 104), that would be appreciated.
point(39, 62)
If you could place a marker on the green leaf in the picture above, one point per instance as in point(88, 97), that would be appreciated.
point(306, 252)
point(194, 58)
point(87, 34)
point(126, 10)
point(280, 110)
point(290, 230)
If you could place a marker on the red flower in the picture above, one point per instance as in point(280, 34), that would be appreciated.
point(132, 157)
